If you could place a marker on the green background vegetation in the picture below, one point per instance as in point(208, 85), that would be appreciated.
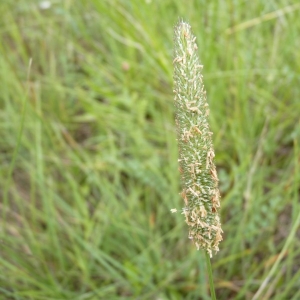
point(88, 150)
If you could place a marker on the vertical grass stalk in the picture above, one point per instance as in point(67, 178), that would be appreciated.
point(210, 277)
point(196, 154)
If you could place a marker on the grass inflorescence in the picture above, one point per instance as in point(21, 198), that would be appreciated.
point(196, 153)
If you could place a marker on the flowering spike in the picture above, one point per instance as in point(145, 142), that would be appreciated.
point(198, 173)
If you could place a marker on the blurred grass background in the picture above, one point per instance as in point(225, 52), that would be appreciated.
point(89, 156)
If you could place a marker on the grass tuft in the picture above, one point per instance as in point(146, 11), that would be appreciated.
point(89, 168)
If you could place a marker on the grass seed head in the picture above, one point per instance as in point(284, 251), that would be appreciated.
point(196, 154)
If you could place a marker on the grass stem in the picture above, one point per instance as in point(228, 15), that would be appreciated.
point(210, 277)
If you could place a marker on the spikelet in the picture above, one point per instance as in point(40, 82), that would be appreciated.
point(198, 173)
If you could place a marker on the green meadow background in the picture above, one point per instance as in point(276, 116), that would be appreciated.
point(88, 150)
